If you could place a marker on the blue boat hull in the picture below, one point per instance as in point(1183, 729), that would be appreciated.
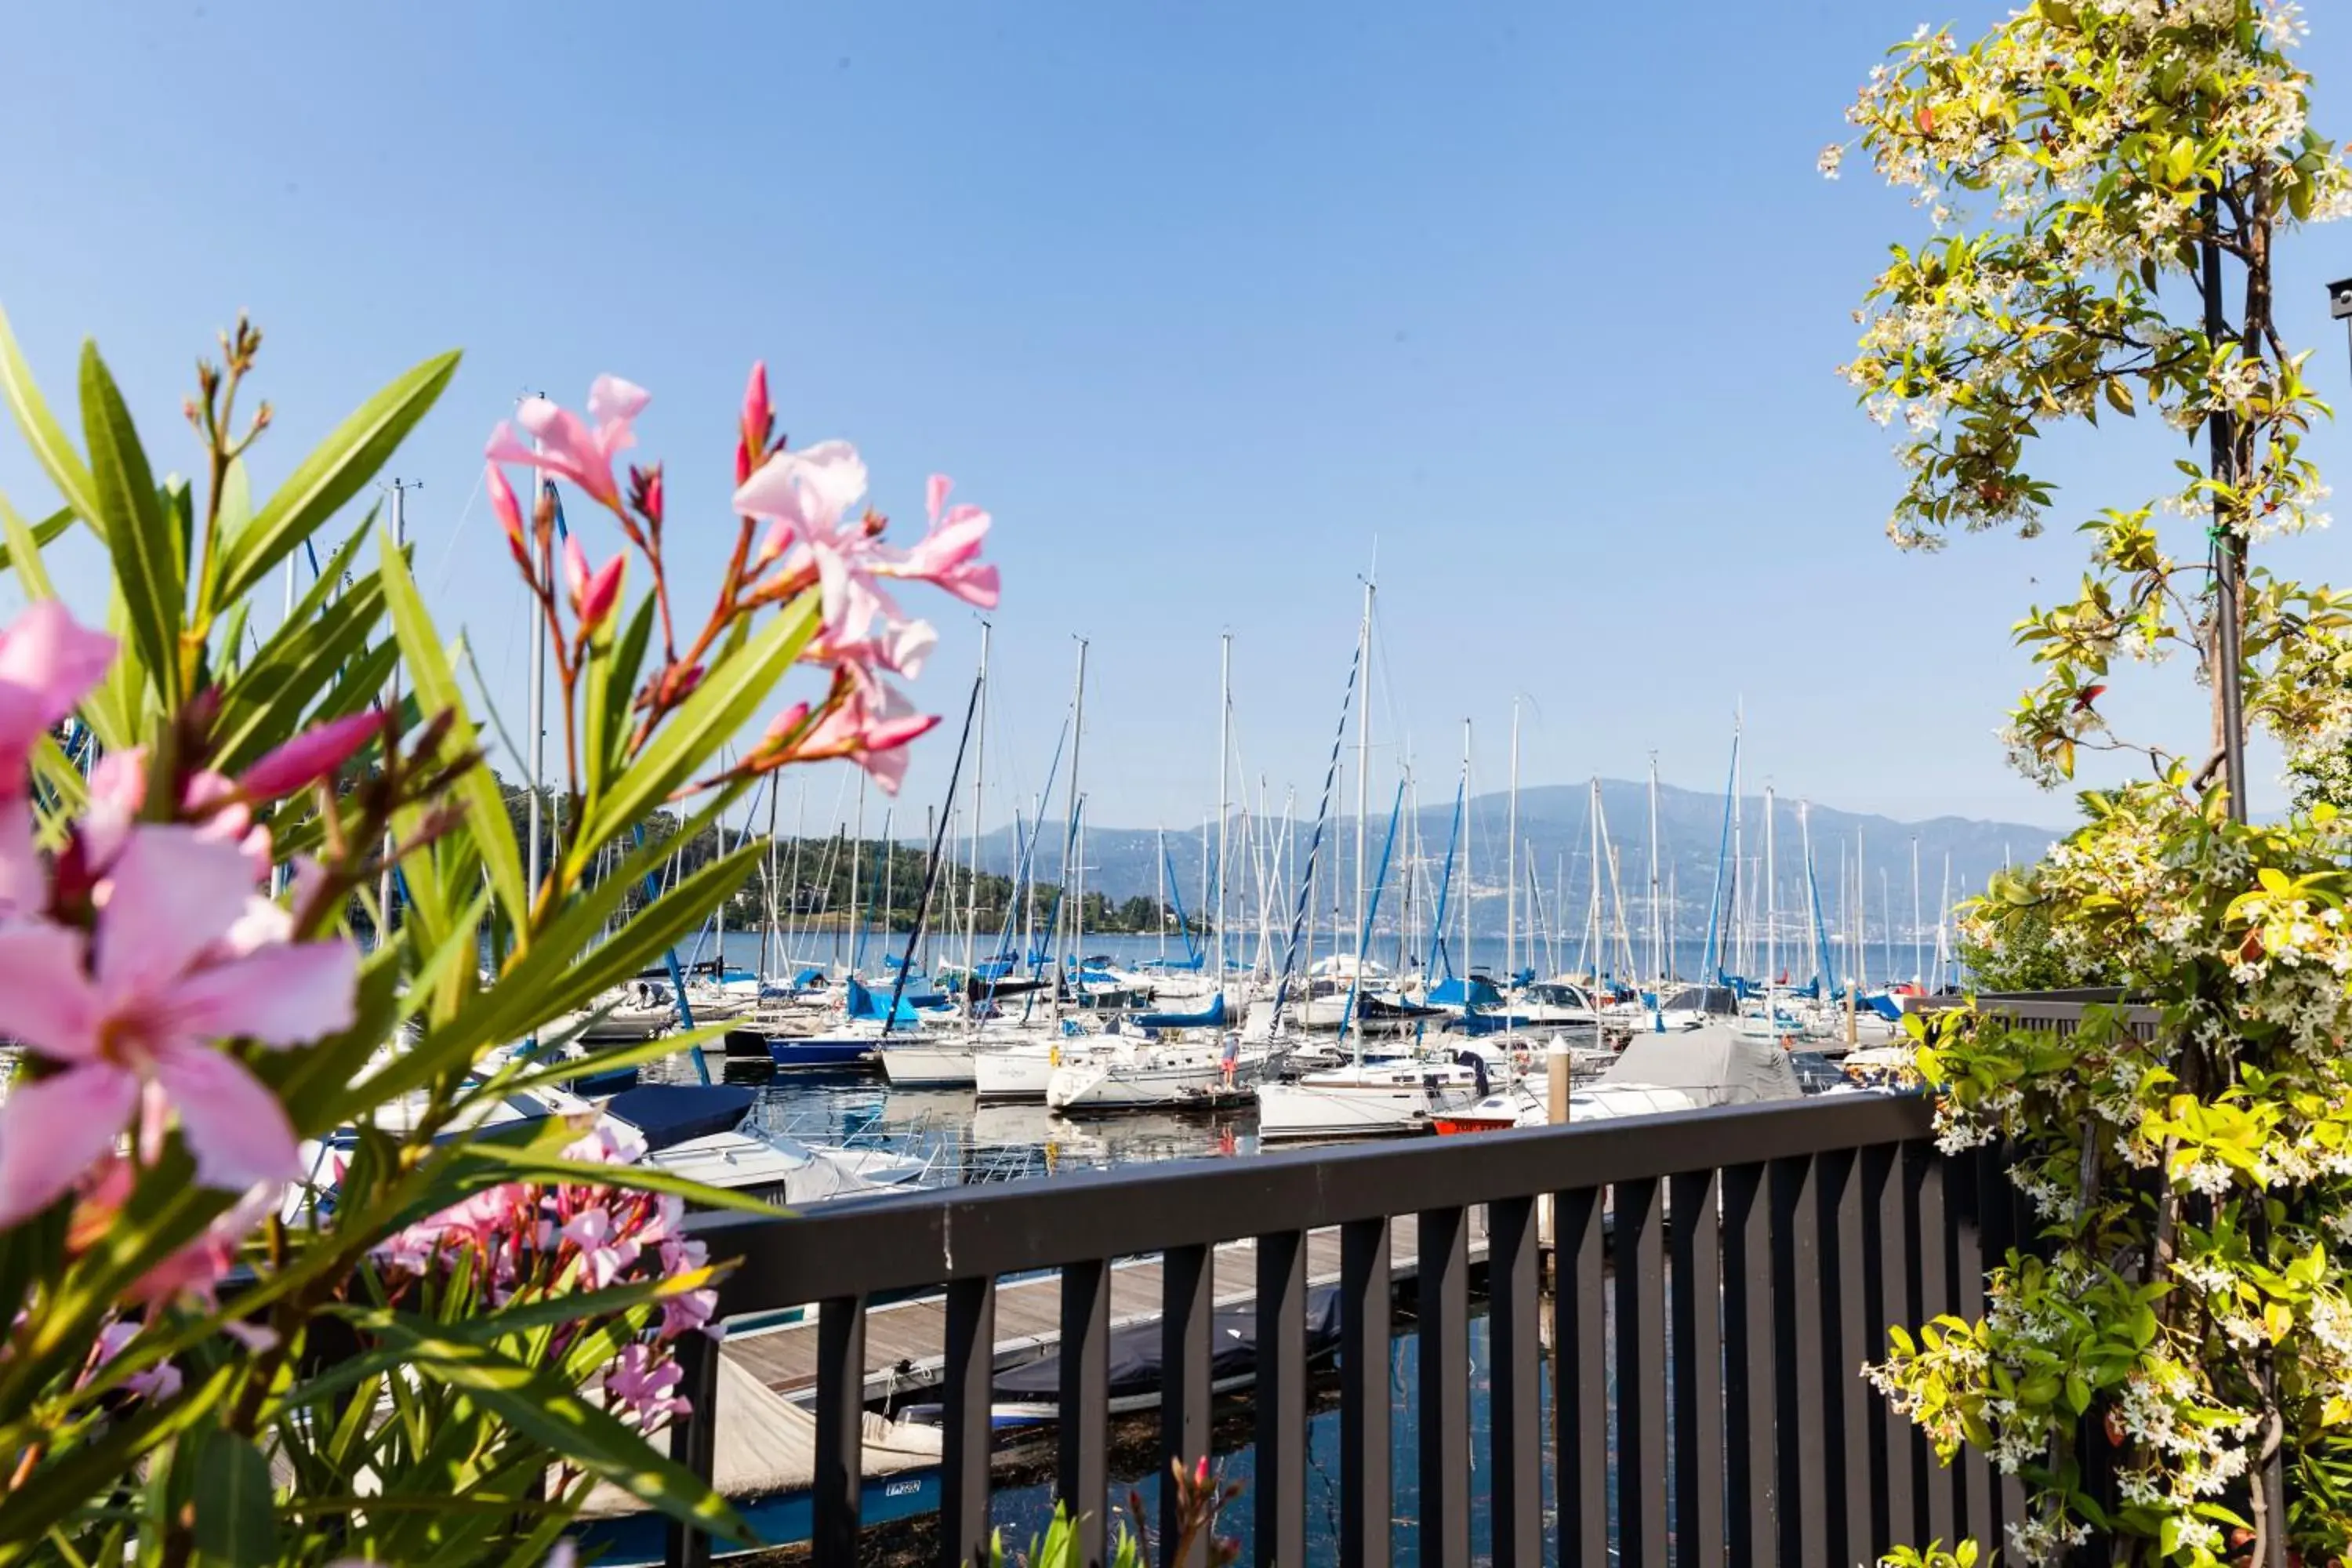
point(820, 1053)
point(640, 1539)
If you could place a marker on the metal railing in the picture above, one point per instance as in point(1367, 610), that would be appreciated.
point(1759, 1253)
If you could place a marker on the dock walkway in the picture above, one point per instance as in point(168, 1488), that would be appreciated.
point(905, 1340)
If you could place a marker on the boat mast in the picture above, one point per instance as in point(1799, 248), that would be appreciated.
point(1224, 753)
point(1160, 877)
point(856, 855)
point(979, 767)
point(1511, 898)
point(1657, 914)
point(1363, 807)
point(1943, 908)
point(1771, 914)
point(1466, 965)
point(1599, 942)
point(1070, 849)
point(1918, 932)
point(1739, 833)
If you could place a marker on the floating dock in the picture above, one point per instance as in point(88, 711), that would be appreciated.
point(905, 1340)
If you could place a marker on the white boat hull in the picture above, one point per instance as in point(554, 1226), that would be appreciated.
point(927, 1066)
point(1017, 1072)
point(1360, 1104)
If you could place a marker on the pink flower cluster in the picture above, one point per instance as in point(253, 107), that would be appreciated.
point(131, 956)
point(525, 1239)
point(818, 534)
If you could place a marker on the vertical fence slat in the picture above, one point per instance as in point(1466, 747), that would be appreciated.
point(1365, 1507)
point(1579, 1397)
point(1083, 1472)
point(1931, 1295)
point(1187, 1286)
point(1862, 1450)
point(1515, 1366)
point(1279, 1467)
point(1969, 1261)
point(1750, 1369)
point(693, 1440)
point(1891, 1223)
point(1640, 1321)
point(1803, 1426)
point(1695, 1264)
point(971, 1354)
point(840, 1430)
point(1442, 1303)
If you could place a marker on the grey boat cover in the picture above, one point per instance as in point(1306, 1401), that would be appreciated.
point(1714, 1062)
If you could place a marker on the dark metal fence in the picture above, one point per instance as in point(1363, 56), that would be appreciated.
point(1761, 1252)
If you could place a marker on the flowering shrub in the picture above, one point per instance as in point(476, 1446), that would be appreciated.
point(2186, 1301)
point(430, 1346)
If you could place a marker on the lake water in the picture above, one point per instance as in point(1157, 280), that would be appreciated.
point(1023, 1510)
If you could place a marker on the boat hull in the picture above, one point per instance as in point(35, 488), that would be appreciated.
point(816, 1052)
point(927, 1067)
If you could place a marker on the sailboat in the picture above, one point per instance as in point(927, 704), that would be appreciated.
point(1365, 1098)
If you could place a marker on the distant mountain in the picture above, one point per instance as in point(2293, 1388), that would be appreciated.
point(1555, 828)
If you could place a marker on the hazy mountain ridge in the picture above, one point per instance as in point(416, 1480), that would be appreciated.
point(1554, 825)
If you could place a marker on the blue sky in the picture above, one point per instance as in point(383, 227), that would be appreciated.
point(1205, 303)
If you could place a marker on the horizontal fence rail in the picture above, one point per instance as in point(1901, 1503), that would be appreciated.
point(1717, 1279)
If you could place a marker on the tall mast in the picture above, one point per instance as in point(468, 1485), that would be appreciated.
point(1943, 908)
point(1772, 908)
point(1363, 806)
point(1813, 897)
point(1658, 914)
point(1918, 935)
point(1600, 947)
point(1224, 754)
point(1160, 879)
point(1738, 830)
point(1070, 848)
point(1511, 898)
point(1464, 841)
point(979, 766)
point(856, 855)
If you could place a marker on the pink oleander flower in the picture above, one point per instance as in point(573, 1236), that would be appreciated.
point(899, 646)
point(641, 1383)
point(604, 1251)
point(312, 757)
point(510, 516)
point(47, 665)
point(157, 1384)
point(131, 1013)
point(593, 593)
point(759, 424)
point(196, 1269)
point(118, 792)
point(871, 726)
point(807, 497)
point(568, 448)
point(949, 555)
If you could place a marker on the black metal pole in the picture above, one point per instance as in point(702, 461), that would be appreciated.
point(930, 874)
point(2227, 547)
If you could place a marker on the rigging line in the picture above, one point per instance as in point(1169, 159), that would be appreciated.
point(450, 548)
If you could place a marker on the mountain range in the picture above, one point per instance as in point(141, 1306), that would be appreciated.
point(1556, 833)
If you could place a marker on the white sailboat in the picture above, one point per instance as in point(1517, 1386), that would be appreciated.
point(1362, 1099)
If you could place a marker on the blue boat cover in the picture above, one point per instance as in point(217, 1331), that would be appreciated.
point(672, 1113)
point(865, 1004)
point(1453, 990)
point(1213, 1016)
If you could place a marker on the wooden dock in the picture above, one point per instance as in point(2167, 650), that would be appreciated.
point(905, 1340)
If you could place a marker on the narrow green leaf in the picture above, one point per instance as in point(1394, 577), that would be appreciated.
point(44, 434)
point(85, 1470)
point(237, 1519)
point(340, 467)
point(23, 548)
point(138, 529)
point(437, 692)
point(528, 1164)
point(706, 721)
point(543, 1409)
point(612, 683)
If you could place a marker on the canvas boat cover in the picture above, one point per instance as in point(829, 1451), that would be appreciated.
point(1714, 1062)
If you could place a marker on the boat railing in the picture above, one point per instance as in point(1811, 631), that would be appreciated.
point(1757, 1252)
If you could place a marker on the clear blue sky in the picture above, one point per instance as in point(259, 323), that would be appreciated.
point(1200, 299)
